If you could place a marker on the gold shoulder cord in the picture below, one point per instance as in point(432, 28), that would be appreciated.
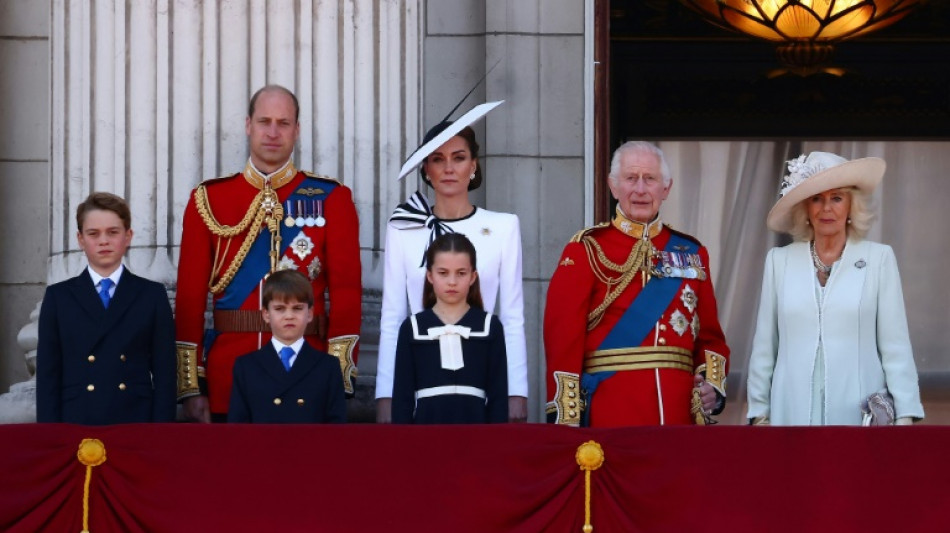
point(637, 261)
point(264, 208)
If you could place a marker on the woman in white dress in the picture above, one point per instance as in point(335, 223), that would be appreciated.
point(452, 169)
point(831, 330)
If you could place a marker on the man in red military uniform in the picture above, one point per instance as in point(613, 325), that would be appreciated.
point(631, 332)
point(237, 230)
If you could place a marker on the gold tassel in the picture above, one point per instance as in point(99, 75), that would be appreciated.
point(590, 456)
point(91, 453)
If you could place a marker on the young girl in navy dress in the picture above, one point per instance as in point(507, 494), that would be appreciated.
point(451, 366)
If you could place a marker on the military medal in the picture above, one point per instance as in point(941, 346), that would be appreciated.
point(320, 222)
point(301, 245)
point(286, 263)
point(289, 219)
point(300, 218)
point(314, 268)
point(310, 218)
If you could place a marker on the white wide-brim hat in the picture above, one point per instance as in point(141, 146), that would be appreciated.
point(443, 137)
point(818, 172)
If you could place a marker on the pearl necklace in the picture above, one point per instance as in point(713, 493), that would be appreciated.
point(822, 271)
point(823, 268)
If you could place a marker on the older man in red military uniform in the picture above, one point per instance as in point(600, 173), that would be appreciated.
point(631, 331)
point(237, 230)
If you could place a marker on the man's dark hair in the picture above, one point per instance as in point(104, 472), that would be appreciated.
point(269, 88)
point(104, 201)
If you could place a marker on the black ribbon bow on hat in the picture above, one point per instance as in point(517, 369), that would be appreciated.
point(417, 213)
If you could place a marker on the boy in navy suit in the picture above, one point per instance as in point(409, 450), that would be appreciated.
point(287, 381)
point(106, 352)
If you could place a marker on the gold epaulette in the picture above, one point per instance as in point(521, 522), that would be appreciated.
point(582, 233)
point(321, 177)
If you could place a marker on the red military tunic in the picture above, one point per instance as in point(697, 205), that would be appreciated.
point(653, 378)
point(216, 257)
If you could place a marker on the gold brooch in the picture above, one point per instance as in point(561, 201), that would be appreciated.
point(486, 231)
point(567, 262)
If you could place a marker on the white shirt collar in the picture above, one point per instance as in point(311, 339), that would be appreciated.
point(296, 346)
point(116, 274)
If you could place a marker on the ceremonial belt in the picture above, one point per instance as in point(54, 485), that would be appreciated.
point(639, 358)
point(450, 389)
point(246, 321)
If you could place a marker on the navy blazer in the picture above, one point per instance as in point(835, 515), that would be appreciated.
point(311, 392)
point(106, 366)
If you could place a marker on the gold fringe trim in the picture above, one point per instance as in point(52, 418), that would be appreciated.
point(91, 453)
point(590, 457)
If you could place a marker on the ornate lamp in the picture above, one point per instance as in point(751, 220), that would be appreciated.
point(806, 30)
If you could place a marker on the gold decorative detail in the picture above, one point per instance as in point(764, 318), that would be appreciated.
point(590, 457)
point(309, 191)
point(639, 358)
point(264, 209)
point(276, 180)
point(604, 269)
point(715, 368)
point(566, 414)
point(342, 348)
point(567, 262)
point(635, 229)
point(91, 453)
point(277, 401)
point(486, 231)
point(188, 369)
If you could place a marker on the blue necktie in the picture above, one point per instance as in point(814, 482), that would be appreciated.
point(285, 354)
point(104, 287)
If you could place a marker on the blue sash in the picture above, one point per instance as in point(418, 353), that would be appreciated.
point(641, 316)
point(256, 264)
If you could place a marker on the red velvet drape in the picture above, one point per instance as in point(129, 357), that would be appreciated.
point(366, 478)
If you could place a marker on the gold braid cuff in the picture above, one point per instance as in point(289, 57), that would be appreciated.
point(715, 369)
point(342, 348)
point(188, 369)
point(567, 403)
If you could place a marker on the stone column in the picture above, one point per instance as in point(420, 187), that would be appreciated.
point(149, 98)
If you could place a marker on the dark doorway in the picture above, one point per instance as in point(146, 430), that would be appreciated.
point(666, 73)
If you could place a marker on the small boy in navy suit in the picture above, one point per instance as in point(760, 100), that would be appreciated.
point(106, 352)
point(287, 381)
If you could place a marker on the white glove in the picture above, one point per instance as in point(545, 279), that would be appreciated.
point(904, 421)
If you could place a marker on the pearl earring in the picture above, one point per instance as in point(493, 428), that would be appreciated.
point(472, 177)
